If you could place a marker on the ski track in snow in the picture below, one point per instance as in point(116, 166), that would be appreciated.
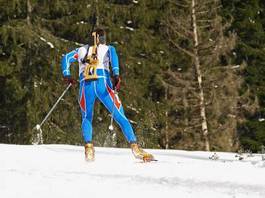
point(61, 171)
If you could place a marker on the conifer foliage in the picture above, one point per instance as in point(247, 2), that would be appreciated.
point(248, 24)
point(210, 83)
point(192, 71)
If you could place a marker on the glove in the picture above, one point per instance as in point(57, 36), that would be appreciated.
point(85, 60)
point(69, 80)
point(116, 83)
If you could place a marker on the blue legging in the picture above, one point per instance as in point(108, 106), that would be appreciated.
point(101, 89)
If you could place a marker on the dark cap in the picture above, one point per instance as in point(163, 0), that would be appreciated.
point(101, 35)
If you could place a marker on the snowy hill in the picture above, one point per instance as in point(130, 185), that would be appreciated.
point(60, 171)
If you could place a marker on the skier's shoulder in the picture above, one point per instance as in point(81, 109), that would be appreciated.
point(112, 49)
point(83, 48)
point(82, 51)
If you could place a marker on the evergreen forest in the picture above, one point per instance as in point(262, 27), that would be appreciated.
point(192, 71)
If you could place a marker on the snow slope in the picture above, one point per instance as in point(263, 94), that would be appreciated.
point(60, 171)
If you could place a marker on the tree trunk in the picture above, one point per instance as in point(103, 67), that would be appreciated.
point(199, 77)
point(97, 14)
point(186, 105)
point(166, 127)
point(29, 10)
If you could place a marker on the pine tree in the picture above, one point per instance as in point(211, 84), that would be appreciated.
point(248, 17)
point(210, 82)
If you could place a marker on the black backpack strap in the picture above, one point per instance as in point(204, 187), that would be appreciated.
point(85, 57)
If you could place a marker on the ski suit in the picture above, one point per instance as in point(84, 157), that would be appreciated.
point(101, 88)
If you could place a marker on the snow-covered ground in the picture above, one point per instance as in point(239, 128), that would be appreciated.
point(60, 171)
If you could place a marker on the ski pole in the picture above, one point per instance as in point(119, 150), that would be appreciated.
point(38, 126)
point(112, 113)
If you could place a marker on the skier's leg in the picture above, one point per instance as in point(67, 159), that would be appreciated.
point(106, 95)
point(86, 102)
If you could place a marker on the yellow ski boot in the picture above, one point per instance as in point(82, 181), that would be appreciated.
point(89, 152)
point(139, 153)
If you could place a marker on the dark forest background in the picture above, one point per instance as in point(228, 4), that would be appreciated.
point(193, 71)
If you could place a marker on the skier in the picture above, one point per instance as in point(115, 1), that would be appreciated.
point(95, 83)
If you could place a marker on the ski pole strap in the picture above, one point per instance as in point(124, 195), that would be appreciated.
point(56, 103)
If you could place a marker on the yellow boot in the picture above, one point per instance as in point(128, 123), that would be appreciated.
point(89, 152)
point(139, 153)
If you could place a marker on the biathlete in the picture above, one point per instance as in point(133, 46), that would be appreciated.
point(95, 83)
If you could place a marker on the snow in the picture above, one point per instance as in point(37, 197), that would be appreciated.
point(251, 20)
point(48, 43)
point(35, 84)
point(133, 109)
point(235, 66)
point(81, 22)
point(79, 44)
point(43, 39)
point(129, 28)
point(261, 119)
point(29, 171)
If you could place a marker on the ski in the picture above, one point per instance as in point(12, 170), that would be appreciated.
point(146, 160)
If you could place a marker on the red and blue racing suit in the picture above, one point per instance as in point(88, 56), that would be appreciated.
point(101, 88)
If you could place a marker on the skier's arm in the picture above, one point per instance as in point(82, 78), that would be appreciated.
point(114, 61)
point(66, 62)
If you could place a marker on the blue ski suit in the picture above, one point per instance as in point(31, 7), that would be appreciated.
point(101, 88)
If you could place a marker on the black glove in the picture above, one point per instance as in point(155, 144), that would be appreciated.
point(85, 60)
point(69, 80)
point(116, 83)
